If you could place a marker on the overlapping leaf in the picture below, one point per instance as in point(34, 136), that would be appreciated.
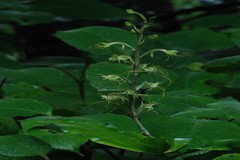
point(87, 38)
point(61, 141)
point(11, 107)
point(232, 156)
point(197, 40)
point(44, 77)
point(112, 130)
point(209, 134)
point(199, 82)
point(22, 146)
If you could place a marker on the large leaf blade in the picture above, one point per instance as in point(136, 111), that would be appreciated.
point(10, 107)
point(87, 38)
point(22, 146)
point(108, 131)
point(41, 76)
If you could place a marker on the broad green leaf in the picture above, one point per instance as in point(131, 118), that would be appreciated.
point(232, 156)
point(223, 109)
point(202, 113)
point(234, 34)
point(204, 133)
point(223, 64)
point(234, 82)
point(226, 102)
point(8, 126)
point(214, 21)
point(197, 40)
point(81, 9)
point(87, 38)
point(21, 90)
point(59, 100)
point(10, 107)
point(118, 121)
point(229, 106)
point(7, 63)
point(61, 141)
point(109, 130)
point(205, 83)
point(22, 146)
point(51, 78)
point(178, 143)
point(96, 72)
point(171, 105)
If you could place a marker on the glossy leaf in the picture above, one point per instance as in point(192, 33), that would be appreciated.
point(204, 133)
point(22, 146)
point(43, 77)
point(234, 82)
point(11, 107)
point(229, 106)
point(87, 38)
point(21, 90)
point(201, 40)
point(232, 156)
point(199, 82)
point(107, 130)
point(56, 100)
point(61, 141)
point(223, 64)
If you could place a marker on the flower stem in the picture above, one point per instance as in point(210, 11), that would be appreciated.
point(132, 99)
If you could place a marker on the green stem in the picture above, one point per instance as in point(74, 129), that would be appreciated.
point(132, 99)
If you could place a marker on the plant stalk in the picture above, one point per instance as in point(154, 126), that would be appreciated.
point(132, 98)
